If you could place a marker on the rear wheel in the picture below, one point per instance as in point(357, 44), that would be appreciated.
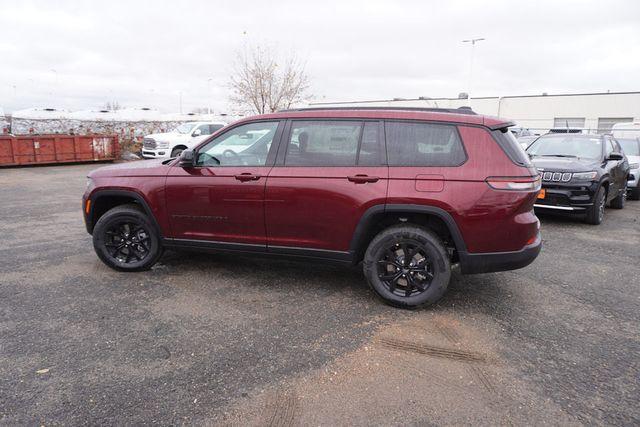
point(407, 266)
point(125, 239)
point(595, 213)
point(619, 201)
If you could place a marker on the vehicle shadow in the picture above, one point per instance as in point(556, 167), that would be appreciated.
point(474, 292)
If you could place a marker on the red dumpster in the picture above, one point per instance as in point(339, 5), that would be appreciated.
point(50, 149)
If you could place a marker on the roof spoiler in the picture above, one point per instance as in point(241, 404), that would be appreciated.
point(501, 126)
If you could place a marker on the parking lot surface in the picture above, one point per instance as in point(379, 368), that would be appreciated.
point(224, 339)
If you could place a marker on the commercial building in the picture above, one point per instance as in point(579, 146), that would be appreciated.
point(594, 112)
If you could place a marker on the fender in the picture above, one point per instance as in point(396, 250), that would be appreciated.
point(121, 193)
point(368, 218)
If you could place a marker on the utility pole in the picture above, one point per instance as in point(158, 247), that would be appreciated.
point(473, 48)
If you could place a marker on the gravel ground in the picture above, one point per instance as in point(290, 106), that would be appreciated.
point(221, 339)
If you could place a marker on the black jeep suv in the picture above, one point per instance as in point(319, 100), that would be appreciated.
point(580, 174)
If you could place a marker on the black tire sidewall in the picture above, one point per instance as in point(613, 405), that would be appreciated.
point(434, 249)
point(593, 212)
point(117, 215)
point(176, 152)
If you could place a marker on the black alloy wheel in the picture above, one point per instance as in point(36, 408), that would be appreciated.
point(405, 269)
point(127, 241)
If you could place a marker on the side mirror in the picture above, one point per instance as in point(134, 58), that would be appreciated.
point(186, 159)
point(197, 132)
point(615, 156)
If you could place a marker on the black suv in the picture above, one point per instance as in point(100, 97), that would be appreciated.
point(580, 174)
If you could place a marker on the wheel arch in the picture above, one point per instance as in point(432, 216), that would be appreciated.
point(104, 200)
point(378, 217)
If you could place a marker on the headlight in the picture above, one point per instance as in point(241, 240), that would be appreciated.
point(584, 176)
point(634, 165)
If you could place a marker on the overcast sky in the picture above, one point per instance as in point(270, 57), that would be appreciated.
point(79, 55)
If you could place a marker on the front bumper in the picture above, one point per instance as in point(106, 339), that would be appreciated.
point(500, 261)
point(569, 198)
point(157, 153)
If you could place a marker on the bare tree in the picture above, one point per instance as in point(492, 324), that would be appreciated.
point(263, 84)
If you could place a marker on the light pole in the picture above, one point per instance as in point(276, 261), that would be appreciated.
point(473, 48)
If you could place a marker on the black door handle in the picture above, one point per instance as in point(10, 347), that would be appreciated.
point(362, 179)
point(247, 177)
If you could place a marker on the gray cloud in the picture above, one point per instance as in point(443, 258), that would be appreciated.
point(79, 55)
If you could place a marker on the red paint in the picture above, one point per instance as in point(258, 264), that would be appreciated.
point(320, 207)
point(52, 149)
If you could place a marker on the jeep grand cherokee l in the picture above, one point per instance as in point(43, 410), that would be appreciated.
point(407, 192)
point(580, 174)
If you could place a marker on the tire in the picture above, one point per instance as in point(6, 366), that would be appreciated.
point(422, 280)
point(621, 198)
point(595, 213)
point(125, 239)
point(177, 151)
point(635, 193)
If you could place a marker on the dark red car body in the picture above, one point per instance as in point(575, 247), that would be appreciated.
point(332, 212)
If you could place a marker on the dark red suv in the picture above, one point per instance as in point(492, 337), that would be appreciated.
point(407, 192)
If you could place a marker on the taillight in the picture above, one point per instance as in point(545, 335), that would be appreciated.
point(515, 184)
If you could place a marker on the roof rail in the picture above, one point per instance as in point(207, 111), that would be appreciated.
point(459, 110)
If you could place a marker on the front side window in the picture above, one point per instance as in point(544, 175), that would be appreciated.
point(567, 145)
point(245, 145)
point(423, 144)
point(323, 143)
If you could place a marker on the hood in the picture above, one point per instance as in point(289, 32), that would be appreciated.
point(565, 164)
point(153, 167)
point(158, 136)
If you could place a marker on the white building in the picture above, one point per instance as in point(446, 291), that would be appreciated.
point(590, 111)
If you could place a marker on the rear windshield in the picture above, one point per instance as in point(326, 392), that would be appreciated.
point(510, 146)
point(631, 147)
point(567, 145)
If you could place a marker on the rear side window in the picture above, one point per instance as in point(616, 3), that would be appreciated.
point(333, 143)
point(423, 144)
point(510, 146)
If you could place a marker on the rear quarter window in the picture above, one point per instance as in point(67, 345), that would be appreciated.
point(510, 146)
point(423, 144)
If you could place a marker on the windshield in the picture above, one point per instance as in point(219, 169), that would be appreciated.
point(567, 146)
point(184, 128)
point(631, 147)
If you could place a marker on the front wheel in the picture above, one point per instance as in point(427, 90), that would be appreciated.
point(177, 151)
point(595, 213)
point(407, 266)
point(125, 239)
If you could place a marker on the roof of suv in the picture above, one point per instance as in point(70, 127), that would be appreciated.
point(409, 113)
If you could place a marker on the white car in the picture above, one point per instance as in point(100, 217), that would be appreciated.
point(171, 144)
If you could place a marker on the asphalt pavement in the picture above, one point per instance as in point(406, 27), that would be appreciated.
point(224, 339)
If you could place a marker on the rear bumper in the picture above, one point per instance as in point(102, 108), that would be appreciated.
point(500, 261)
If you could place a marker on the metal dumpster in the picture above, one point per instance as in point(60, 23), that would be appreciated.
point(51, 149)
